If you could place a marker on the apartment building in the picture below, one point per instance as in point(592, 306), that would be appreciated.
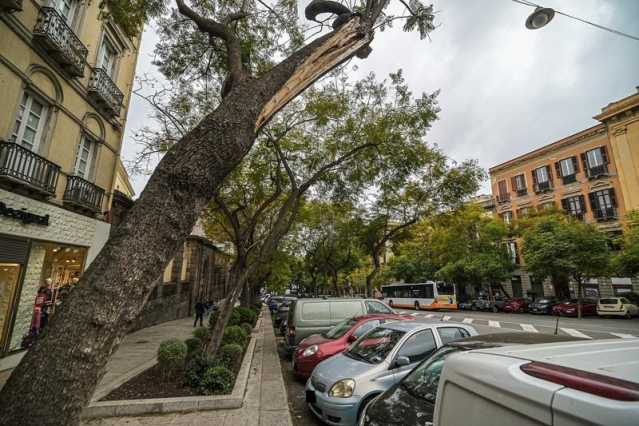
point(65, 77)
point(592, 175)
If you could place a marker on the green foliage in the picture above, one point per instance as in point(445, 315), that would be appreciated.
point(131, 15)
point(247, 327)
point(235, 318)
point(247, 315)
point(230, 356)
point(172, 356)
point(193, 346)
point(235, 334)
point(202, 334)
point(626, 263)
point(195, 369)
point(555, 245)
point(217, 380)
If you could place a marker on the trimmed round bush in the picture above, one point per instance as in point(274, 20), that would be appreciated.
point(235, 334)
point(195, 369)
point(172, 356)
point(217, 380)
point(230, 356)
point(193, 346)
point(247, 327)
point(202, 334)
point(235, 318)
point(246, 315)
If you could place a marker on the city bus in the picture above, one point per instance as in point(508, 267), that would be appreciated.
point(428, 295)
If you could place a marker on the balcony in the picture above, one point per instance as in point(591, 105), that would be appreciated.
point(105, 92)
point(59, 40)
point(11, 5)
point(597, 171)
point(569, 179)
point(83, 194)
point(608, 213)
point(23, 167)
point(521, 192)
point(543, 187)
point(503, 198)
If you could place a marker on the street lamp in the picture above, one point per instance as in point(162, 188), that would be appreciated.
point(540, 18)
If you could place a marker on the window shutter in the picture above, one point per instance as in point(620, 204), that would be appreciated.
point(584, 161)
point(582, 203)
point(564, 204)
point(513, 183)
point(604, 154)
point(549, 171)
point(558, 169)
point(534, 176)
point(613, 199)
point(575, 164)
point(593, 201)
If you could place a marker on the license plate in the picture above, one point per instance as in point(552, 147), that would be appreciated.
point(310, 396)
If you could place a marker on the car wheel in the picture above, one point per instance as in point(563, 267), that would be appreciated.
point(363, 406)
point(628, 315)
point(417, 306)
point(495, 310)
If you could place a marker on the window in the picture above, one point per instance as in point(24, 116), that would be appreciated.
point(519, 184)
point(30, 120)
point(377, 308)
point(106, 57)
point(418, 346)
point(567, 169)
point(574, 206)
point(448, 334)
point(542, 179)
point(84, 157)
point(595, 162)
point(507, 217)
point(541, 174)
point(67, 9)
point(603, 204)
point(512, 251)
point(341, 310)
point(366, 327)
point(594, 158)
point(503, 195)
point(339, 329)
point(424, 379)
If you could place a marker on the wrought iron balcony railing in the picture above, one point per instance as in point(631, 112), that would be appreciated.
point(52, 32)
point(568, 179)
point(503, 198)
point(597, 171)
point(543, 186)
point(84, 194)
point(608, 213)
point(11, 5)
point(105, 91)
point(522, 192)
point(26, 168)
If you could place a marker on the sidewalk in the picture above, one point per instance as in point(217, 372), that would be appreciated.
point(265, 402)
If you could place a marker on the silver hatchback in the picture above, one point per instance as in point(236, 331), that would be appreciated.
point(341, 386)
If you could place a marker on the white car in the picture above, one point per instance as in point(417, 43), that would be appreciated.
point(555, 384)
point(616, 306)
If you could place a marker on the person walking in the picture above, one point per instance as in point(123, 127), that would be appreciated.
point(200, 308)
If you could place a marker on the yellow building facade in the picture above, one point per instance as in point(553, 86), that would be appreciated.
point(66, 76)
point(592, 175)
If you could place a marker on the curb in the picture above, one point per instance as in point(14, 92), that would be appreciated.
point(174, 405)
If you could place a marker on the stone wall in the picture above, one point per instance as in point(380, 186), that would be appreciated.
point(162, 309)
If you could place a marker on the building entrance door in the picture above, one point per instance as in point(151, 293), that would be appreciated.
point(515, 283)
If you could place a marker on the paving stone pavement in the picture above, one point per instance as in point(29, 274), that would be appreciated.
point(265, 402)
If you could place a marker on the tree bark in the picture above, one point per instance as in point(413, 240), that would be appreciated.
point(372, 274)
point(58, 375)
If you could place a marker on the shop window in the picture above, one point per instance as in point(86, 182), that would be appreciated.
point(30, 120)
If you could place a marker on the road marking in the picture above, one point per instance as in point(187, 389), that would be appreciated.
point(446, 318)
point(494, 324)
point(575, 333)
point(430, 315)
point(468, 320)
point(415, 314)
point(623, 335)
point(529, 328)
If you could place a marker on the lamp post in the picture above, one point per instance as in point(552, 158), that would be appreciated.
point(540, 18)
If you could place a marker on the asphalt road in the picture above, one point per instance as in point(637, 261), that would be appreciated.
point(485, 323)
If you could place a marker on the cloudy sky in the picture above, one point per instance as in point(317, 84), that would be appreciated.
point(504, 89)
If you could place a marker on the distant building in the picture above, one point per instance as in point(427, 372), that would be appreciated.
point(592, 175)
point(485, 201)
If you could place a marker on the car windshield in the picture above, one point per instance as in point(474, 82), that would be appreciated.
point(375, 346)
point(608, 301)
point(423, 380)
point(544, 301)
point(339, 329)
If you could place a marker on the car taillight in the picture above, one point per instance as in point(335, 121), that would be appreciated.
point(593, 383)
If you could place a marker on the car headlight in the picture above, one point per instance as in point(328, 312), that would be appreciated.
point(311, 350)
point(343, 389)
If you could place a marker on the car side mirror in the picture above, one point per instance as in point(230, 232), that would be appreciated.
point(352, 338)
point(402, 361)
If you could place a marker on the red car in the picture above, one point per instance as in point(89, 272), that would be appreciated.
point(516, 305)
point(568, 308)
point(317, 347)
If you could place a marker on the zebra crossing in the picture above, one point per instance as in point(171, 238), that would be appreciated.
point(529, 328)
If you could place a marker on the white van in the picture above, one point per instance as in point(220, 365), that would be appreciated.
point(555, 384)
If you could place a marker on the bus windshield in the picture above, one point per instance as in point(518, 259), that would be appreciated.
point(445, 289)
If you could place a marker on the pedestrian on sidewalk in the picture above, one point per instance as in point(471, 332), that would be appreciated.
point(200, 308)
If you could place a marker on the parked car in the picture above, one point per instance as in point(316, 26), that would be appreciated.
point(484, 304)
point(616, 306)
point(568, 308)
point(543, 305)
point(313, 316)
point(341, 386)
point(591, 383)
point(519, 305)
point(317, 347)
point(411, 401)
point(275, 302)
point(282, 313)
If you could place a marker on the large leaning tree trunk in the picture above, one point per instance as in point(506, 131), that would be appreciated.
point(58, 375)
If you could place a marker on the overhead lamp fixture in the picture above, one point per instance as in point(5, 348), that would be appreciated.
point(540, 18)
